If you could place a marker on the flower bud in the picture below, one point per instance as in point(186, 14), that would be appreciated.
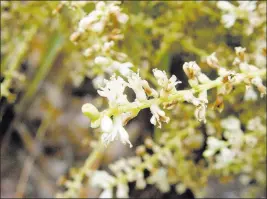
point(212, 61)
point(75, 36)
point(100, 60)
point(240, 52)
point(90, 111)
point(191, 69)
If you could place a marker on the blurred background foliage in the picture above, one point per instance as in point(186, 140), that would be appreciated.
point(46, 77)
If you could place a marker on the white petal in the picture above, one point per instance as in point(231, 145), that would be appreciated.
point(225, 5)
point(107, 193)
point(228, 20)
point(106, 124)
point(122, 191)
point(124, 136)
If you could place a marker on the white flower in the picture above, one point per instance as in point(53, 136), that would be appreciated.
point(164, 82)
point(212, 60)
point(225, 5)
point(100, 5)
point(247, 5)
point(124, 68)
point(191, 69)
point(214, 145)
point(102, 179)
point(231, 123)
point(86, 22)
point(228, 20)
point(122, 18)
point(180, 188)
point(114, 91)
point(122, 191)
point(98, 26)
point(250, 94)
point(235, 138)
point(113, 130)
point(136, 83)
point(158, 115)
point(98, 81)
point(225, 158)
point(255, 124)
point(107, 193)
point(100, 60)
point(140, 182)
point(106, 124)
point(160, 179)
point(108, 45)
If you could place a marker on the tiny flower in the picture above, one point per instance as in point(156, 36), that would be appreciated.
point(213, 61)
point(225, 158)
point(140, 182)
point(255, 124)
point(240, 52)
point(231, 123)
point(102, 179)
point(136, 83)
point(191, 69)
point(86, 22)
point(228, 20)
point(158, 115)
point(108, 45)
point(167, 84)
point(106, 124)
point(149, 91)
point(100, 60)
point(160, 179)
point(180, 188)
point(122, 191)
point(225, 5)
point(124, 68)
point(114, 91)
point(122, 18)
point(214, 145)
point(114, 130)
point(107, 193)
point(250, 94)
point(257, 81)
point(100, 5)
point(88, 52)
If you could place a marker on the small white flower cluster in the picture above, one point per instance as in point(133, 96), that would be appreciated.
point(232, 12)
point(248, 68)
point(120, 111)
point(231, 78)
point(102, 27)
point(74, 4)
point(234, 143)
point(196, 77)
point(97, 19)
point(132, 170)
point(114, 89)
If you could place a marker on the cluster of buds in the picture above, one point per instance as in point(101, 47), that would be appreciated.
point(99, 19)
point(246, 10)
point(121, 110)
point(113, 90)
point(194, 74)
point(231, 78)
point(196, 77)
